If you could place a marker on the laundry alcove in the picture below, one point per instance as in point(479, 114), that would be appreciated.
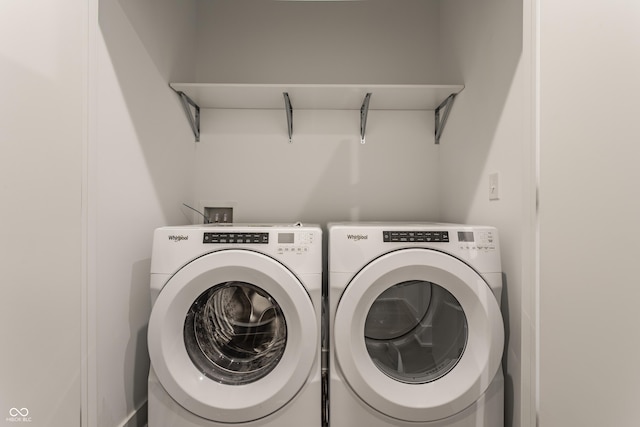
point(144, 162)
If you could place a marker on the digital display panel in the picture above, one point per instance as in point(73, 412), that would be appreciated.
point(465, 236)
point(285, 238)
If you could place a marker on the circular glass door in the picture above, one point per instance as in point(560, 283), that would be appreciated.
point(415, 332)
point(418, 335)
point(235, 333)
point(233, 336)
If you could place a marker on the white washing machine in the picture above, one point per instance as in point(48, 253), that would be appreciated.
point(416, 330)
point(234, 332)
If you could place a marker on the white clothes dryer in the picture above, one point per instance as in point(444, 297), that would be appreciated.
point(417, 335)
point(234, 331)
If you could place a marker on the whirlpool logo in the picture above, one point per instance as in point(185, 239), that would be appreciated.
point(178, 238)
point(357, 237)
point(18, 415)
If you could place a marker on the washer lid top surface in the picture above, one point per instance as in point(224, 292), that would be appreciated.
point(274, 355)
point(467, 328)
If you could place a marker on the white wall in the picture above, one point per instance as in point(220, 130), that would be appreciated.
point(140, 156)
point(483, 45)
point(589, 210)
point(325, 174)
point(42, 65)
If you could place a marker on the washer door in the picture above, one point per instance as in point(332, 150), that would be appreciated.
point(418, 335)
point(233, 336)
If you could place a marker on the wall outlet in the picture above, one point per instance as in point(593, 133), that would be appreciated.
point(494, 186)
point(219, 215)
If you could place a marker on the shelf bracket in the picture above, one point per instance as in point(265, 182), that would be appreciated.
point(192, 110)
point(289, 110)
point(364, 111)
point(440, 122)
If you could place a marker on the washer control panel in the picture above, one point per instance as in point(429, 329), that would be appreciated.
point(222, 238)
point(480, 240)
point(415, 236)
point(294, 242)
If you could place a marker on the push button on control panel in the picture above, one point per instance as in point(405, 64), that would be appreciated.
point(222, 238)
point(415, 236)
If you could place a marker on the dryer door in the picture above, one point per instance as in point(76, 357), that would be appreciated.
point(233, 336)
point(418, 335)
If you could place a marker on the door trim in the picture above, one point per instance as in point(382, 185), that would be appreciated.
point(461, 386)
point(225, 402)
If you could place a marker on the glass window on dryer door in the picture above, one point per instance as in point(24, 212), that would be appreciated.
point(415, 332)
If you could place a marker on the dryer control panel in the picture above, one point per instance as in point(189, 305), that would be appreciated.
point(467, 240)
point(353, 245)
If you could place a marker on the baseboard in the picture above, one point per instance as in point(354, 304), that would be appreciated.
point(138, 418)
